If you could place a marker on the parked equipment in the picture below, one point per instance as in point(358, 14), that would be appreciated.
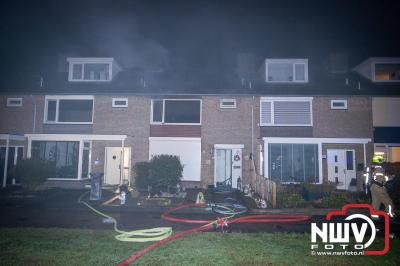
point(95, 185)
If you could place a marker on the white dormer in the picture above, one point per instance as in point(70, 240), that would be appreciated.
point(89, 69)
point(380, 69)
point(286, 70)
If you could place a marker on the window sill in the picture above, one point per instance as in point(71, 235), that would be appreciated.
point(283, 125)
point(86, 80)
point(176, 124)
point(68, 123)
point(64, 179)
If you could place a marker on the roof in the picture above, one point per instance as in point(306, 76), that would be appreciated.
point(198, 82)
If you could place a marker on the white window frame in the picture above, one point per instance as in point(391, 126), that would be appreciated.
point(57, 98)
point(114, 100)
point(344, 107)
point(163, 112)
point(319, 141)
point(294, 62)
point(222, 106)
point(9, 104)
point(82, 61)
point(286, 99)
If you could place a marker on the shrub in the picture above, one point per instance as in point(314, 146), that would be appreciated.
point(142, 175)
point(392, 169)
point(32, 172)
point(165, 171)
point(161, 173)
point(335, 200)
point(290, 200)
point(316, 191)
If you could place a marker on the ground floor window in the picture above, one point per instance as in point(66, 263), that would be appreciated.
point(390, 153)
point(63, 156)
point(293, 162)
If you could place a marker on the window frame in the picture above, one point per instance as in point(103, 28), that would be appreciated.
point(272, 100)
point(339, 107)
point(373, 70)
point(9, 104)
point(57, 98)
point(114, 105)
point(294, 62)
point(83, 61)
point(222, 106)
point(163, 112)
point(317, 163)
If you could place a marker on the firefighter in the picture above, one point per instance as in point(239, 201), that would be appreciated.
point(376, 180)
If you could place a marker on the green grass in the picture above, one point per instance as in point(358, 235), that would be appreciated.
point(28, 246)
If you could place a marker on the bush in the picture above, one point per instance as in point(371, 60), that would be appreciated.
point(142, 175)
point(290, 200)
point(316, 191)
point(161, 173)
point(32, 172)
point(392, 169)
point(335, 200)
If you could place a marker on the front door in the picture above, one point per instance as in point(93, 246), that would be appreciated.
point(14, 154)
point(341, 167)
point(228, 165)
point(113, 159)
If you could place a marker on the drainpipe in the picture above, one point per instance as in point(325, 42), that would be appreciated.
point(252, 129)
point(122, 164)
point(34, 114)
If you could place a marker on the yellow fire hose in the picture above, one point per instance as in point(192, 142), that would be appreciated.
point(144, 235)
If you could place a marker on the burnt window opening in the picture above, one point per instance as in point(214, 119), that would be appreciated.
point(176, 111)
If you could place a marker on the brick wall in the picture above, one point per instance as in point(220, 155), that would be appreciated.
point(19, 120)
point(355, 122)
point(225, 126)
point(133, 121)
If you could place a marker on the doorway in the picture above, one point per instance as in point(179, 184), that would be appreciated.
point(113, 172)
point(341, 167)
point(228, 164)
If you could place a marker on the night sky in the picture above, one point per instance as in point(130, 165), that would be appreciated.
point(34, 34)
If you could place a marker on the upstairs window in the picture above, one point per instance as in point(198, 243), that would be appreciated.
point(176, 111)
point(90, 69)
point(286, 111)
point(120, 102)
point(286, 70)
point(69, 110)
point(387, 72)
point(338, 104)
point(227, 103)
point(14, 102)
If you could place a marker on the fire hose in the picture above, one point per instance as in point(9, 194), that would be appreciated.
point(209, 224)
point(144, 235)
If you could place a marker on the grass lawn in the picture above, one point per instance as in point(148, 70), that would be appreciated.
point(32, 246)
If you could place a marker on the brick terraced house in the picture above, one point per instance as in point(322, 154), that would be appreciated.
point(297, 121)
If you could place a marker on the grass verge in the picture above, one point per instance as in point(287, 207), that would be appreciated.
point(32, 246)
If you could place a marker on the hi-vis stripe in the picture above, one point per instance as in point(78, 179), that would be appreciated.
point(286, 113)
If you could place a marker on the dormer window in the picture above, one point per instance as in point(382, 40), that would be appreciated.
point(387, 72)
point(286, 70)
point(90, 69)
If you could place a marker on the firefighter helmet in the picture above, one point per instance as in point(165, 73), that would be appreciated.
point(377, 158)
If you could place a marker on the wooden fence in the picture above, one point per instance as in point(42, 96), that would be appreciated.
point(263, 186)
